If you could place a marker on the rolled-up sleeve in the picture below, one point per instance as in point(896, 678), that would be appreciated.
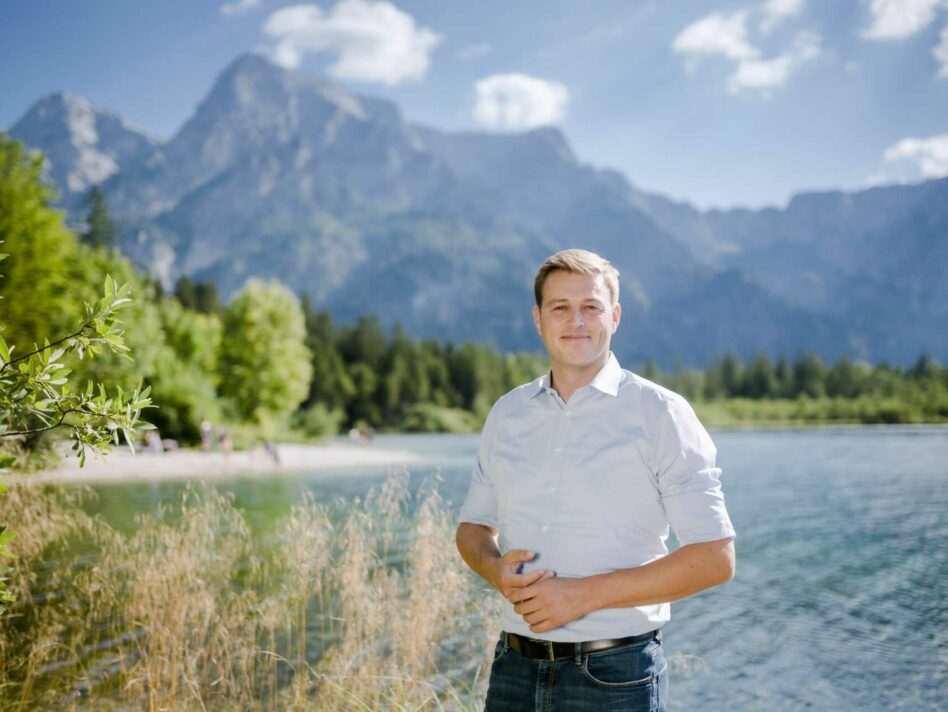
point(480, 505)
point(688, 479)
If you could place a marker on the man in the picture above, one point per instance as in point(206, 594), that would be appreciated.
point(578, 477)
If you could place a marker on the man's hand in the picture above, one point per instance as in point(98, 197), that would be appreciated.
point(506, 579)
point(552, 602)
point(478, 547)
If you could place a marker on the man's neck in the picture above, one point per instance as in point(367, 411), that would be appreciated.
point(566, 381)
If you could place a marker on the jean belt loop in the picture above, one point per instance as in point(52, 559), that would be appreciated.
point(505, 639)
point(578, 647)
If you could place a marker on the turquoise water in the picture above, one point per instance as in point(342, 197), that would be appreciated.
point(839, 601)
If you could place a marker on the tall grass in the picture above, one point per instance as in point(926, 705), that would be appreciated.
point(365, 607)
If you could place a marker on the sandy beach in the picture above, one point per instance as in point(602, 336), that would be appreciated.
point(123, 466)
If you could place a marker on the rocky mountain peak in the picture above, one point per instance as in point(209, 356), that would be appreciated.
point(84, 144)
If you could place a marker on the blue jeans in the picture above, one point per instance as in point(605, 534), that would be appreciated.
point(630, 678)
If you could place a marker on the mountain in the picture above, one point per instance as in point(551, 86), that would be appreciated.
point(286, 176)
point(84, 145)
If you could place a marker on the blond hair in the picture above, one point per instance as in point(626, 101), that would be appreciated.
point(577, 262)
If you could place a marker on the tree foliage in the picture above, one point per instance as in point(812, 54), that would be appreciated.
point(390, 381)
point(99, 230)
point(199, 296)
point(844, 391)
point(265, 367)
point(42, 295)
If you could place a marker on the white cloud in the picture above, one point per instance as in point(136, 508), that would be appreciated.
point(897, 19)
point(941, 53)
point(238, 6)
point(773, 12)
point(717, 34)
point(518, 101)
point(727, 36)
point(765, 74)
point(372, 41)
point(928, 155)
point(475, 50)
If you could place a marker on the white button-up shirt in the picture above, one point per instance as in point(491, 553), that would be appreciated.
point(592, 485)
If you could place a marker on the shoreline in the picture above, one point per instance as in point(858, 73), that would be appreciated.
point(122, 466)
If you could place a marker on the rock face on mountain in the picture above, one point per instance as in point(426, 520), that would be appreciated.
point(84, 145)
point(285, 176)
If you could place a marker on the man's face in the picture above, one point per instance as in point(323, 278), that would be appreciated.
point(576, 320)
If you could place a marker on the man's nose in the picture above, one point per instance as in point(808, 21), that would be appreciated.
point(578, 317)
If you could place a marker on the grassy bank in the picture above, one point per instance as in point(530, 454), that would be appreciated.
point(745, 412)
point(355, 607)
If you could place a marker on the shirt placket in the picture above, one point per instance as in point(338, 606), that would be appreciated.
point(558, 462)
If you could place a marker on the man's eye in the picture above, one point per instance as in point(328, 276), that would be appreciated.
point(559, 308)
point(592, 307)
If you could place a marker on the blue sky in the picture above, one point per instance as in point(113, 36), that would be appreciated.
point(719, 103)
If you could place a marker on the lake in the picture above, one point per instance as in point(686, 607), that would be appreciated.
point(839, 599)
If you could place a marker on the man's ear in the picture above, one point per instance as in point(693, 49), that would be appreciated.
point(536, 319)
point(616, 317)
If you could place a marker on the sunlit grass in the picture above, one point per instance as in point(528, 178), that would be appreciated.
point(738, 412)
point(364, 608)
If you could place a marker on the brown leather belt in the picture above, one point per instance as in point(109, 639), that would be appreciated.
point(548, 650)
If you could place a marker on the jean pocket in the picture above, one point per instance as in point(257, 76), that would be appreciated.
point(630, 666)
point(501, 648)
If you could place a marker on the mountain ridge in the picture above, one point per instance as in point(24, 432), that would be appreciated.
point(281, 175)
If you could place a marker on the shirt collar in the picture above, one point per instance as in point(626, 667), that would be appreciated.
point(606, 381)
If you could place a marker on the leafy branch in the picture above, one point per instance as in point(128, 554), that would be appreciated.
point(36, 396)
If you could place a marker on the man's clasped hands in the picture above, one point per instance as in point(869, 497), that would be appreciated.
point(544, 600)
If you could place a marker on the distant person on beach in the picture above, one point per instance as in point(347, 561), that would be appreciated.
point(361, 434)
point(207, 434)
point(153, 442)
point(225, 443)
point(578, 477)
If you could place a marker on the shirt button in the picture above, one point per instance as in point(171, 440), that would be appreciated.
point(552, 490)
point(544, 529)
point(558, 451)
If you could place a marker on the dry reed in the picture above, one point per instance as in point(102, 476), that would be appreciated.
point(361, 609)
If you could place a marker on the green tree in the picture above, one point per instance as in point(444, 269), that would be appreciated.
point(43, 295)
point(730, 375)
point(265, 366)
point(185, 378)
point(924, 367)
point(184, 292)
point(331, 384)
point(784, 378)
point(364, 342)
point(808, 375)
point(842, 380)
point(198, 296)
point(758, 379)
point(713, 387)
point(206, 299)
point(99, 230)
